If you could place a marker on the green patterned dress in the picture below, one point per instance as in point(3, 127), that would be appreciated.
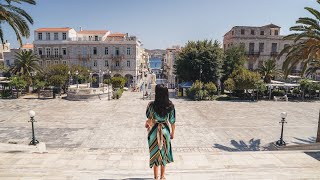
point(159, 137)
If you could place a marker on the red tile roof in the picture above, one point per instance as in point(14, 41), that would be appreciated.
point(27, 46)
point(64, 29)
point(117, 35)
point(93, 32)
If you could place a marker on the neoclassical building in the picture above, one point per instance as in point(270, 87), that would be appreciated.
point(260, 43)
point(98, 50)
point(169, 62)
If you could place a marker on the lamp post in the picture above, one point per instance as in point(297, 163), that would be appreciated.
point(109, 73)
point(91, 80)
point(33, 141)
point(77, 73)
point(281, 142)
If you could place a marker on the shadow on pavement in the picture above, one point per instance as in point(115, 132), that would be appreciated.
point(315, 155)
point(310, 140)
point(253, 145)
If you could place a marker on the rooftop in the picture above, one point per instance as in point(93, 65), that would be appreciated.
point(63, 29)
point(117, 35)
point(92, 32)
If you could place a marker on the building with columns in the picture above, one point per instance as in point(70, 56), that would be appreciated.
point(98, 50)
point(260, 43)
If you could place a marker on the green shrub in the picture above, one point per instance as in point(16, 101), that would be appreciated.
point(117, 94)
point(118, 82)
point(278, 93)
point(211, 89)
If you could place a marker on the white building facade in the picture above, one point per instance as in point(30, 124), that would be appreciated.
point(98, 50)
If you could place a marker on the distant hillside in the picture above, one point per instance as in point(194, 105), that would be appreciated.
point(156, 52)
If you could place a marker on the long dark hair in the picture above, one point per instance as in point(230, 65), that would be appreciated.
point(162, 105)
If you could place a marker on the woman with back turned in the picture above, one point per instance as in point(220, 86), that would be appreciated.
point(161, 115)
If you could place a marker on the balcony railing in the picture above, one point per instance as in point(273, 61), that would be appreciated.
point(253, 53)
point(274, 53)
point(51, 56)
point(117, 57)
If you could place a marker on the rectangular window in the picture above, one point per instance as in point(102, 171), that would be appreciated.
point(64, 36)
point(276, 32)
point(117, 63)
point(8, 62)
point(48, 52)
point(117, 51)
point(48, 63)
point(40, 51)
point(56, 36)
point(232, 32)
point(64, 51)
point(252, 32)
point(128, 63)
point(251, 47)
point(39, 36)
point(64, 62)
point(261, 47)
point(40, 62)
point(47, 36)
point(84, 51)
point(95, 51)
point(56, 52)
point(95, 63)
point(261, 33)
point(242, 31)
point(128, 51)
point(106, 51)
point(106, 63)
point(56, 62)
point(274, 47)
point(96, 38)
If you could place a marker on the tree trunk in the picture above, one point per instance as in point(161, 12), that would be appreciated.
point(318, 133)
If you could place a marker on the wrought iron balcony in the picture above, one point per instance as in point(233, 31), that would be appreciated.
point(274, 53)
point(51, 56)
point(117, 56)
point(253, 53)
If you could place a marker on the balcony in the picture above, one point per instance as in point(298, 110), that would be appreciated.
point(57, 57)
point(115, 68)
point(252, 53)
point(117, 57)
point(274, 53)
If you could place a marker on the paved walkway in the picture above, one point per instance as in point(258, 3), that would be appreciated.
point(104, 139)
point(102, 165)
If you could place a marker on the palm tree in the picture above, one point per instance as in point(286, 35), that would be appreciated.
point(268, 70)
point(16, 17)
point(306, 47)
point(25, 64)
point(313, 67)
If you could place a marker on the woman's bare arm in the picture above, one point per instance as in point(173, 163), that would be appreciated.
point(173, 127)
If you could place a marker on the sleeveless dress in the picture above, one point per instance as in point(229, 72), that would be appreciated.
point(159, 137)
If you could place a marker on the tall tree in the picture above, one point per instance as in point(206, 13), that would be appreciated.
point(200, 60)
point(306, 39)
point(16, 17)
point(268, 70)
point(25, 64)
point(233, 57)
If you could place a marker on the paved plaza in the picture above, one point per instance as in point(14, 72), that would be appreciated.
point(101, 139)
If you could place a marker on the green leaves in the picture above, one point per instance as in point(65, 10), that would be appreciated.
point(242, 79)
point(118, 82)
point(199, 60)
point(16, 17)
point(268, 70)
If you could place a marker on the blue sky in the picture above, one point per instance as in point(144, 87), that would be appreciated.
point(163, 23)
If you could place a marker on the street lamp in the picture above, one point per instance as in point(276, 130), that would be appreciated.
point(109, 73)
point(33, 141)
point(77, 73)
point(91, 80)
point(283, 120)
